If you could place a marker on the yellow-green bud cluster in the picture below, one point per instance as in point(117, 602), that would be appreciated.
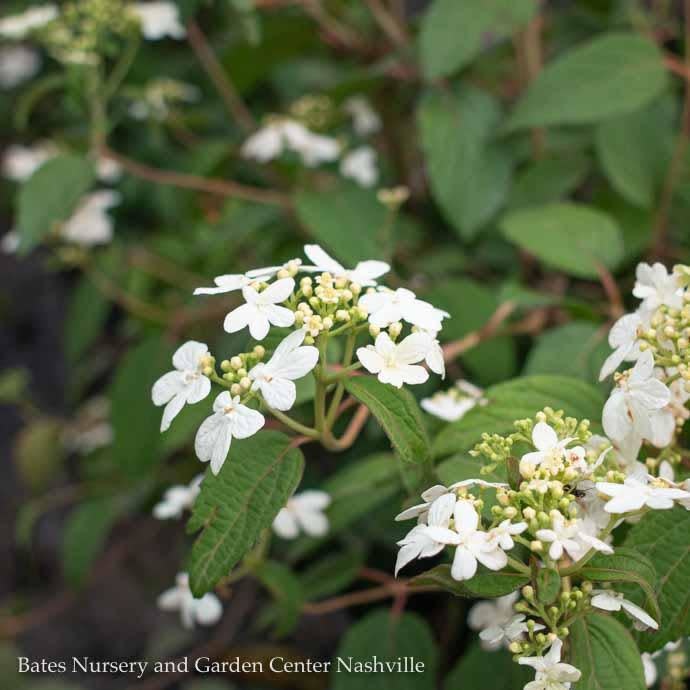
point(315, 111)
point(235, 370)
point(668, 338)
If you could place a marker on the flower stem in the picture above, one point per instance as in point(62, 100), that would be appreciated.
point(294, 425)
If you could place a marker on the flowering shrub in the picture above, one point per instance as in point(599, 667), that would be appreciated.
point(320, 259)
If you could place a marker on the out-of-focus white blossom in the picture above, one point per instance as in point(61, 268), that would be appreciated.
point(20, 162)
point(205, 611)
point(17, 64)
point(360, 166)
point(454, 403)
point(19, 26)
point(90, 224)
point(159, 20)
point(304, 512)
point(365, 120)
point(177, 499)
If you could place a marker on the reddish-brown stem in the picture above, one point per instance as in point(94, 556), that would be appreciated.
point(210, 185)
point(226, 89)
point(388, 23)
point(608, 282)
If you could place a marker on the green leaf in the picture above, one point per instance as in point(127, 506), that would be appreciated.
point(50, 196)
point(486, 584)
point(397, 412)
point(518, 399)
point(576, 349)
point(347, 220)
point(135, 419)
point(331, 574)
point(470, 306)
point(389, 638)
point(625, 565)
point(611, 75)
point(662, 536)
point(86, 531)
point(565, 236)
point(236, 505)
point(39, 452)
point(286, 591)
point(86, 314)
point(634, 161)
point(548, 585)
point(469, 174)
point(548, 179)
point(606, 655)
point(479, 669)
point(452, 32)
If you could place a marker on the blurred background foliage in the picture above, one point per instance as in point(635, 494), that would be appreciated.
point(544, 147)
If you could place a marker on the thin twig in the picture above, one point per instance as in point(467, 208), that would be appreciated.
point(457, 347)
point(210, 185)
point(608, 282)
point(226, 89)
point(388, 23)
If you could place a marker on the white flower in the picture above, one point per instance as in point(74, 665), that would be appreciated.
point(504, 533)
point(586, 535)
point(289, 362)
point(549, 449)
point(90, 225)
point(650, 672)
point(637, 492)
point(636, 406)
point(159, 19)
point(655, 286)
point(261, 309)
point(552, 674)
point(17, 64)
point(230, 420)
point(419, 542)
point(360, 166)
point(185, 385)
point(472, 545)
point(623, 338)
point(561, 536)
point(270, 141)
point(364, 273)
point(395, 363)
point(434, 355)
point(108, 170)
point(20, 162)
point(236, 281)
point(303, 512)
point(613, 601)
point(388, 306)
point(205, 611)
point(421, 510)
point(452, 405)
point(365, 119)
point(490, 617)
point(18, 26)
point(177, 499)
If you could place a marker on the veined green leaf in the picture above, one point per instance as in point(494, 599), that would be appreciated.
point(485, 584)
point(238, 503)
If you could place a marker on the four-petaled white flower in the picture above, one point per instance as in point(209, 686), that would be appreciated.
point(562, 536)
point(419, 542)
point(637, 406)
point(236, 281)
point(185, 385)
point(230, 419)
point(395, 363)
point(17, 64)
point(454, 403)
point(303, 512)
point(623, 338)
point(290, 361)
point(490, 617)
point(262, 310)
point(19, 26)
point(387, 306)
point(656, 286)
point(505, 531)
point(205, 611)
point(613, 601)
point(365, 120)
point(364, 273)
point(549, 449)
point(177, 499)
point(90, 224)
point(360, 166)
point(637, 492)
point(159, 19)
point(552, 673)
point(472, 544)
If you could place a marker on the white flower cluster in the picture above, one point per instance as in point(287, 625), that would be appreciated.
point(281, 134)
point(454, 403)
point(328, 305)
point(572, 489)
